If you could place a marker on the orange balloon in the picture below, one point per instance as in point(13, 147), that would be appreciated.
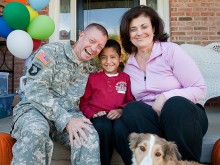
point(21, 1)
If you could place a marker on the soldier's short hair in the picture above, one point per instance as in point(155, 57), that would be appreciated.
point(99, 27)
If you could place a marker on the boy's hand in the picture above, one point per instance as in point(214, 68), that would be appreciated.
point(101, 113)
point(114, 114)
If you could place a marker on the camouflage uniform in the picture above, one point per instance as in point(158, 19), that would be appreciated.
point(55, 81)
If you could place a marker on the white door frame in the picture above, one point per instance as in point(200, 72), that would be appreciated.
point(54, 10)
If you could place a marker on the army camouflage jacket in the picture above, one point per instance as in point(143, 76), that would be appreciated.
point(56, 80)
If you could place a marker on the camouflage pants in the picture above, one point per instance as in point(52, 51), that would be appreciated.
point(34, 145)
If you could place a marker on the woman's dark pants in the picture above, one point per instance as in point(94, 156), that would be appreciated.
point(180, 121)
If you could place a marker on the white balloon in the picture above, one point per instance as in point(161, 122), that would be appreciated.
point(20, 44)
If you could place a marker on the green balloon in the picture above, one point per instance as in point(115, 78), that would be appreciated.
point(16, 15)
point(41, 27)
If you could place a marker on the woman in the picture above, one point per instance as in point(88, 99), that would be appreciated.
point(165, 82)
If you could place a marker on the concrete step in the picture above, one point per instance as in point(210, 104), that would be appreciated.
point(61, 156)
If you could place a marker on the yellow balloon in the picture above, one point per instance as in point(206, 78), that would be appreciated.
point(32, 12)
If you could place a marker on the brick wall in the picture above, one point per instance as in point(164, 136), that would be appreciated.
point(195, 21)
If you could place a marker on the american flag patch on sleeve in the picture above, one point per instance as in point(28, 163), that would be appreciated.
point(43, 58)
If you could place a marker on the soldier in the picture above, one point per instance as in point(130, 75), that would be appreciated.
point(56, 79)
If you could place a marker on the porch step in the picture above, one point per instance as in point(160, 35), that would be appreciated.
point(61, 156)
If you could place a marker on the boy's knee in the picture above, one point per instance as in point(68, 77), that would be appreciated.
point(120, 129)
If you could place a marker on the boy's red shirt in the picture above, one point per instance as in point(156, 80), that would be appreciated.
point(105, 93)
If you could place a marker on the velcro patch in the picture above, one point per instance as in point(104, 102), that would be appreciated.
point(43, 58)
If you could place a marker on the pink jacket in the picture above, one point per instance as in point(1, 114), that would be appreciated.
point(170, 71)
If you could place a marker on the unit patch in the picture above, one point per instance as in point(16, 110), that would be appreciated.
point(34, 69)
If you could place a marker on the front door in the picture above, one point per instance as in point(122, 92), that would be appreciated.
point(105, 12)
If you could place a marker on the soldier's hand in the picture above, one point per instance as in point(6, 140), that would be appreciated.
point(75, 127)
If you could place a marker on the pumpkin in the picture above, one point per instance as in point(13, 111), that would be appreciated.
point(6, 143)
point(216, 153)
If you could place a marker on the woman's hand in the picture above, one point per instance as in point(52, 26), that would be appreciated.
point(114, 114)
point(158, 103)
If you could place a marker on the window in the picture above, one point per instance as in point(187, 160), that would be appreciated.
point(72, 16)
point(104, 12)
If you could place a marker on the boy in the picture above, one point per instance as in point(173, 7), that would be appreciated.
point(105, 96)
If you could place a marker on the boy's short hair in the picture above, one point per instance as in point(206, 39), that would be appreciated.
point(113, 44)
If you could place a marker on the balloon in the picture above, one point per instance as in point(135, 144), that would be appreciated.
point(5, 29)
point(37, 44)
point(22, 1)
point(38, 4)
point(32, 12)
point(16, 15)
point(41, 27)
point(20, 44)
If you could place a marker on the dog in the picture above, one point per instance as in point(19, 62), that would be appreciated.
point(150, 149)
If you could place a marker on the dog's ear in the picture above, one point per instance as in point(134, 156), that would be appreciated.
point(171, 151)
point(133, 140)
